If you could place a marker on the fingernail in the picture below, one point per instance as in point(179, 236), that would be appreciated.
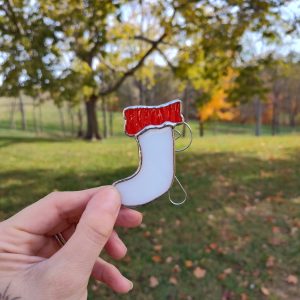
point(131, 285)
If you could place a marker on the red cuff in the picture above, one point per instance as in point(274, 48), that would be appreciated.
point(140, 118)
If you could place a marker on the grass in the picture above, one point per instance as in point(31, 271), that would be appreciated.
point(243, 211)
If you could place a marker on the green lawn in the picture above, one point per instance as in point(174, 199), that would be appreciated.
point(242, 215)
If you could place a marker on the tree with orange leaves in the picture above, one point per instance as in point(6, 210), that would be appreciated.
point(217, 106)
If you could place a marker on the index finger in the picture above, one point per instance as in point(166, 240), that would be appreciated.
point(43, 215)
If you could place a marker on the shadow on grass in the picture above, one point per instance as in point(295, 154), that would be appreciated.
point(6, 141)
point(22, 187)
point(211, 179)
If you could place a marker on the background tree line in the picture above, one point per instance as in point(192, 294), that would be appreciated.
point(115, 53)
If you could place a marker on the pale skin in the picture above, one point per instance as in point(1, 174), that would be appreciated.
point(34, 266)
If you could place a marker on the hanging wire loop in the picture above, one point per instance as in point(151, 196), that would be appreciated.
point(184, 191)
point(190, 141)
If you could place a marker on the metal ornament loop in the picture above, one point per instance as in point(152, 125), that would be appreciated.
point(178, 134)
point(184, 191)
point(191, 138)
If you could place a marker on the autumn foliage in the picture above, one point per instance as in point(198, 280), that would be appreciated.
point(218, 107)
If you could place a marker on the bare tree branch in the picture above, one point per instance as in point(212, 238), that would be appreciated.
point(172, 67)
point(131, 71)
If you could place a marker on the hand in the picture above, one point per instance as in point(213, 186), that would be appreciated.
point(34, 266)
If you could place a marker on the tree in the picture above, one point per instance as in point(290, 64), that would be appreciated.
point(248, 86)
point(86, 49)
point(217, 107)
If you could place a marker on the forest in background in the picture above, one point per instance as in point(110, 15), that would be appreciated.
point(231, 61)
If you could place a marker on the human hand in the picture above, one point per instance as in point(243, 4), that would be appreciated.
point(34, 266)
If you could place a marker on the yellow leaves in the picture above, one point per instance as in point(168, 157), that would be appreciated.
point(81, 67)
point(199, 273)
point(218, 107)
point(126, 30)
point(87, 91)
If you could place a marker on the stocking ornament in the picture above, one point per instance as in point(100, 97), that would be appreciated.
point(154, 129)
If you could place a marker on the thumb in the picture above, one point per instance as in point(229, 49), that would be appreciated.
point(92, 232)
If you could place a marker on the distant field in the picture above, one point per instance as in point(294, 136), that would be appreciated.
point(50, 125)
point(241, 224)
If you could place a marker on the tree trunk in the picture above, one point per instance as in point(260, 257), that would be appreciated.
point(40, 117)
point(275, 128)
point(292, 112)
point(92, 132)
point(71, 119)
point(35, 125)
point(62, 121)
point(111, 123)
point(141, 89)
point(80, 123)
point(104, 119)
point(258, 112)
point(186, 109)
point(12, 114)
point(22, 110)
point(201, 128)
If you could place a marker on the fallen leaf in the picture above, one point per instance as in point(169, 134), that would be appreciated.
point(227, 295)
point(176, 269)
point(153, 282)
point(276, 241)
point(199, 209)
point(292, 279)
point(173, 280)
point(156, 258)
point(169, 259)
point(239, 217)
point(227, 271)
point(159, 231)
point(270, 262)
point(213, 246)
point(177, 222)
point(147, 233)
point(207, 250)
point(221, 276)
point(224, 274)
point(265, 291)
point(199, 272)
point(188, 263)
point(127, 259)
point(276, 229)
point(244, 296)
point(157, 248)
point(294, 230)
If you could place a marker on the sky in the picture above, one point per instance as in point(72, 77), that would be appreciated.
point(254, 45)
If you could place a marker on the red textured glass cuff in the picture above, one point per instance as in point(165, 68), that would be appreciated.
point(141, 118)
